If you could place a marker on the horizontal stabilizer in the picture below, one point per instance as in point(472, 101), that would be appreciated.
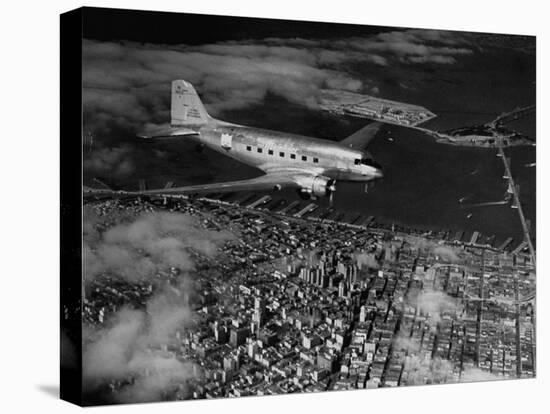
point(104, 185)
point(167, 132)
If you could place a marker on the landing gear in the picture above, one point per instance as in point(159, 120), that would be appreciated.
point(369, 186)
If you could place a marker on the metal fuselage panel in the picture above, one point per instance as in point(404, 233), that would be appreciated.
point(273, 150)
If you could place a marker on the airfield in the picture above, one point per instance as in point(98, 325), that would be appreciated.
point(371, 107)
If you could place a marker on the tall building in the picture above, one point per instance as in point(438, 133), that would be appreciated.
point(363, 314)
point(342, 289)
point(238, 335)
point(258, 317)
point(327, 361)
point(221, 333)
point(352, 272)
point(253, 348)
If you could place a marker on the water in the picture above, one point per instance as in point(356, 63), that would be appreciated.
point(423, 180)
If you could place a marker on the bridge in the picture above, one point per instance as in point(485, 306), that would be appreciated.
point(512, 186)
point(517, 113)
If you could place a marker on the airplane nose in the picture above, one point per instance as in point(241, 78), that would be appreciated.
point(378, 173)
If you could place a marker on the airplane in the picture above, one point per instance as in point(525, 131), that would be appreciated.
point(311, 166)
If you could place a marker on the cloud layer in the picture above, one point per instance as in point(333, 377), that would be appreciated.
point(434, 303)
point(138, 348)
point(139, 249)
point(444, 252)
point(127, 84)
point(130, 349)
point(422, 369)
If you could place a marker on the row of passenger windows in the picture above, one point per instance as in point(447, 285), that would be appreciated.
point(281, 154)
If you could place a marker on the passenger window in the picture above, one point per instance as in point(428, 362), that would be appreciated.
point(293, 156)
point(316, 160)
point(260, 150)
point(304, 158)
point(248, 148)
point(281, 154)
point(270, 152)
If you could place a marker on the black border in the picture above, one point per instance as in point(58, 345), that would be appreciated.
point(71, 206)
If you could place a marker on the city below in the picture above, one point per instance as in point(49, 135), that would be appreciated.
point(300, 301)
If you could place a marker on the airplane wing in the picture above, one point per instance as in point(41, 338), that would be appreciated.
point(273, 180)
point(269, 181)
point(361, 139)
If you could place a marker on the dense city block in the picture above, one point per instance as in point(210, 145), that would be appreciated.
point(291, 304)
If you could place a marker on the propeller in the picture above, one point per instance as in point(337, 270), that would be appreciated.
point(331, 188)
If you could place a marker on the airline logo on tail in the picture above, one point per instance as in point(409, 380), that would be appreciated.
point(187, 107)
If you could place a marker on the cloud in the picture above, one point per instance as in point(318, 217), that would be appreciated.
point(126, 85)
point(403, 342)
point(113, 161)
point(445, 252)
point(367, 259)
point(138, 249)
point(409, 47)
point(137, 349)
point(474, 374)
point(433, 58)
point(434, 303)
point(130, 349)
point(421, 369)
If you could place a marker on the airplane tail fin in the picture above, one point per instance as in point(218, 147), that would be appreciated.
point(187, 108)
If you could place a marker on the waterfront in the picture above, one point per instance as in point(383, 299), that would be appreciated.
point(266, 304)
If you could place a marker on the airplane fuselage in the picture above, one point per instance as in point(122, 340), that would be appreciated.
point(310, 165)
point(273, 150)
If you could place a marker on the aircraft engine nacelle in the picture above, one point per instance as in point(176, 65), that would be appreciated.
point(322, 186)
point(318, 186)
